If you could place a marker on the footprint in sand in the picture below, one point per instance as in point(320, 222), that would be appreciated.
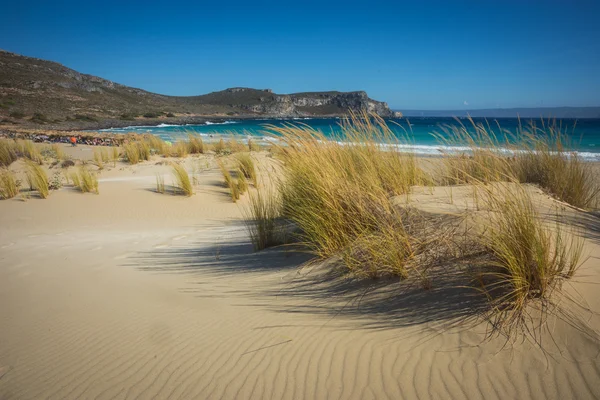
point(7, 245)
point(180, 237)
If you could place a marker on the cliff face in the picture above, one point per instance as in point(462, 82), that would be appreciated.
point(316, 103)
point(40, 92)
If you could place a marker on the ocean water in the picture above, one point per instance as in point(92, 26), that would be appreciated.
point(419, 134)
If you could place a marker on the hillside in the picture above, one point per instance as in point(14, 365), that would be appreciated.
point(38, 92)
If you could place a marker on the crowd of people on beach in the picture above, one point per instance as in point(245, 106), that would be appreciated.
point(94, 139)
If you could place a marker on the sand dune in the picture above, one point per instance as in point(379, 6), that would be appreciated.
point(135, 295)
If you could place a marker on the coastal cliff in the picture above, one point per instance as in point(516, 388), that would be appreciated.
point(35, 92)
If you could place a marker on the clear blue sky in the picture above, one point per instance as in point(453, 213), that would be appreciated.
point(414, 55)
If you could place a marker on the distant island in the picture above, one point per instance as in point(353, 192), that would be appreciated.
point(35, 92)
point(542, 112)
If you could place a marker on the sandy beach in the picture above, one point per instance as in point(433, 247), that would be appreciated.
point(132, 294)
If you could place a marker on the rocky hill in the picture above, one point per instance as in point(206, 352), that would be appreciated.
point(40, 92)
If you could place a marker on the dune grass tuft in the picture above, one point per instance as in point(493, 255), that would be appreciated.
point(242, 182)
point(30, 151)
point(37, 178)
point(195, 144)
point(160, 184)
point(340, 195)
point(9, 186)
point(180, 149)
point(9, 152)
point(532, 155)
point(85, 180)
point(262, 218)
point(229, 182)
point(246, 166)
point(182, 180)
point(98, 158)
point(529, 258)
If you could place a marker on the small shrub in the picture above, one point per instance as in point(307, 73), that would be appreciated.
point(127, 116)
point(152, 114)
point(39, 118)
point(37, 179)
point(170, 115)
point(67, 163)
point(182, 180)
point(84, 117)
point(56, 181)
point(17, 114)
point(9, 186)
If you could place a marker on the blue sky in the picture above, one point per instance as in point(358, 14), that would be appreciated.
point(414, 55)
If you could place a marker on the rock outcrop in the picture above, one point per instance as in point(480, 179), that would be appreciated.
point(35, 91)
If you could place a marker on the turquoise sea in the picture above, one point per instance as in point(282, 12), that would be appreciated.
point(420, 131)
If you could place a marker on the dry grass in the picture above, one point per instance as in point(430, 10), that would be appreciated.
point(242, 183)
point(115, 156)
point(99, 158)
point(58, 151)
point(180, 149)
point(219, 148)
point(195, 144)
point(530, 259)
point(262, 218)
point(160, 184)
point(136, 151)
point(29, 150)
point(85, 180)
point(9, 152)
point(229, 182)
point(246, 166)
point(9, 186)
point(340, 195)
point(534, 155)
point(37, 179)
point(182, 180)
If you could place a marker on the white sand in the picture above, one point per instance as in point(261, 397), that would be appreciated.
point(132, 294)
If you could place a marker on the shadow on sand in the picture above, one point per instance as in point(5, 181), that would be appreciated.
point(301, 286)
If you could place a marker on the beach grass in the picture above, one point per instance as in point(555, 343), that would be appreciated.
point(98, 158)
point(180, 149)
point(247, 166)
point(340, 195)
point(262, 218)
point(242, 182)
point(29, 150)
point(229, 181)
point(182, 180)
point(529, 257)
point(160, 183)
point(9, 187)
point(85, 180)
point(37, 178)
point(195, 144)
point(533, 154)
point(9, 152)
